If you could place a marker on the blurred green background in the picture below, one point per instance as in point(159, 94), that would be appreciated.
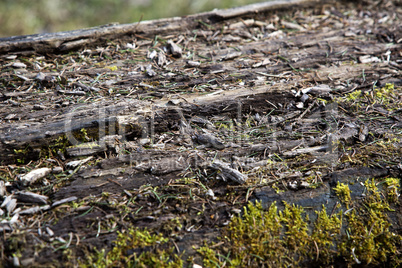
point(18, 17)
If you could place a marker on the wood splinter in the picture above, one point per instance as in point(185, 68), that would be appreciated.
point(228, 173)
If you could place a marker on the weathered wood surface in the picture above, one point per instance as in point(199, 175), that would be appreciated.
point(64, 41)
point(318, 54)
point(279, 97)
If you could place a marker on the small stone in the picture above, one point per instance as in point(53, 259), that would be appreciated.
point(161, 58)
point(49, 231)
point(211, 194)
point(34, 175)
point(175, 49)
point(368, 59)
point(40, 76)
point(304, 184)
point(152, 54)
point(19, 65)
point(11, 57)
point(10, 116)
point(16, 262)
point(292, 185)
point(191, 63)
point(349, 34)
point(57, 170)
point(10, 206)
point(2, 189)
point(144, 141)
point(149, 71)
point(304, 97)
point(130, 46)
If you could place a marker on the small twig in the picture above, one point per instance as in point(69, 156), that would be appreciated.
point(318, 251)
point(306, 111)
point(271, 104)
point(177, 248)
point(270, 75)
point(115, 182)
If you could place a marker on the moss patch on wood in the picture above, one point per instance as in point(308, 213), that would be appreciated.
point(283, 238)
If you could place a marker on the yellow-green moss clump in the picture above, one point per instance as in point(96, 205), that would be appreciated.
point(392, 189)
point(272, 238)
point(136, 248)
point(343, 192)
point(368, 238)
point(276, 239)
point(385, 95)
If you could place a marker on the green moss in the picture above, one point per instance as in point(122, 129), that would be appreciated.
point(326, 231)
point(392, 189)
point(136, 248)
point(21, 154)
point(283, 238)
point(369, 239)
point(385, 94)
point(210, 257)
point(295, 221)
point(343, 192)
point(58, 144)
point(277, 189)
point(256, 237)
point(354, 95)
point(86, 134)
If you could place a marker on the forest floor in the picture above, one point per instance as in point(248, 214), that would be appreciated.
point(164, 138)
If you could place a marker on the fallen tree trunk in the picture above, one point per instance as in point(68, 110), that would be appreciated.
point(65, 41)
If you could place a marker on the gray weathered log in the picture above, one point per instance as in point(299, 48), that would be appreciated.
point(124, 118)
point(64, 41)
